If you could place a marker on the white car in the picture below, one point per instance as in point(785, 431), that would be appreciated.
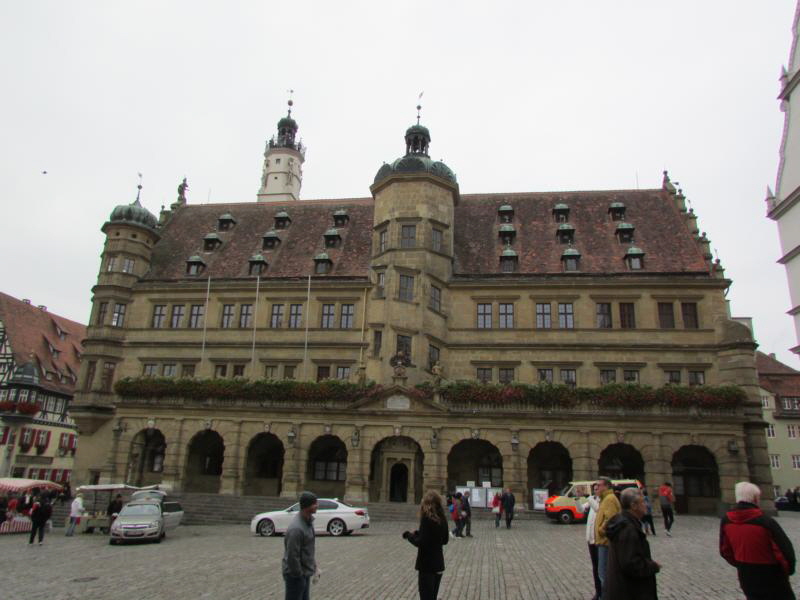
point(333, 516)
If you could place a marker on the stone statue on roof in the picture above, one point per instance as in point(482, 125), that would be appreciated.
point(182, 191)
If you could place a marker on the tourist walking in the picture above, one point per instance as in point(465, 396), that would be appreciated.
point(455, 513)
point(113, 510)
point(76, 510)
point(647, 519)
point(507, 500)
point(299, 563)
point(41, 511)
point(497, 509)
point(667, 501)
point(757, 546)
point(631, 573)
point(609, 508)
point(429, 539)
point(466, 511)
point(591, 508)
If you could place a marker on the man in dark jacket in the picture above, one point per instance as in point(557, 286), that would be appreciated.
point(507, 501)
point(41, 511)
point(757, 546)
point(631, 571)
point(299, 562)
point(466, 508)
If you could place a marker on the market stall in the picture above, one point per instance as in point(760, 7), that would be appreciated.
point(17, 522)
point(96, 499)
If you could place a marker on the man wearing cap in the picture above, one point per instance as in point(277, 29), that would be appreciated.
point(298, 556)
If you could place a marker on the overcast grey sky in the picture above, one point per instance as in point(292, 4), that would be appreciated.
point(519, 96)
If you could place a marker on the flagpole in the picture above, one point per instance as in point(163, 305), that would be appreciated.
point(305, 344)
point(255, 325)
point(205, 321)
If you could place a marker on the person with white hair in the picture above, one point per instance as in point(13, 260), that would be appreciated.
point(756, 545)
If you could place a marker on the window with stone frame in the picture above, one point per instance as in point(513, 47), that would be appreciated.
point(322, 267)
point(569, 377)
point(408, 236)
point(107, 376)
point(608, 376)
point(276, 318)
point(506, 315)
point(328, 318)
point(630, 375)
point(238, 370)
point(543, 316)
point(90, 372)
point(111, 263)
point(673, 376)
point(566, 317)
point(346, 313)
point(342, 373)
point(404, 345)
point(220, 371)
point(791, 431)
point(377, 340)
point(406, 290)
point(627, 315)
point(697, 378)
point(436, 240)
point(288, 371)
point(433, 356)
point(545, 375)
point(775, 461)
point(270, 371)
point(796, 461)
point(196, 316)
point(323, 372)
point(245, 316)
point(484, 374)
point(169, 370)
point(383, 240)
point(435, 302)
point(127, 265)
point(604, 320)
point(666, 315)
point(150, 370)
point(102, 311)
point(118, 316)
point(257, 267)
point(769, 430)
point(380, 292)
point(176, 319)
point(505, 375)
point(295, 316)
point(159, 316)
point(484, 315)
point(689, 314)
point(187, 370)
point(227, 316)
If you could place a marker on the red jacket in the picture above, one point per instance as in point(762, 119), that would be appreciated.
point(666, 491)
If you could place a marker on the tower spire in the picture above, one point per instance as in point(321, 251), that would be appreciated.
point(138, 189)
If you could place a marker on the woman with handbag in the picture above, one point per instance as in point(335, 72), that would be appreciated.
point(497, 509)
point(429, 539)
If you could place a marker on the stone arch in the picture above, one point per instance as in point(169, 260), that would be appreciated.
point(206, 453)
point(326, 472)
point(263, 469)
point(474, 460)
point(621, 461)
point(549, 466)
point(695, 480)
point(146, 457)
point(385, 481)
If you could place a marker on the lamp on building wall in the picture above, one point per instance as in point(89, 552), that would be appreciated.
point(514, 441)
point(290, 436)
point(355, 438)
point(120, 427)
point(733, 447)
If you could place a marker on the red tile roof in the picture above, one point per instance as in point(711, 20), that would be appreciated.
point(34, 330)
point(776, 377)
point(660, 231)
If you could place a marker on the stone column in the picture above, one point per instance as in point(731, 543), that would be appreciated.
point(357, 484)
point(232, 471)
point(172, 474)
point(292, 481)
point(434, 468)
point(584, 464)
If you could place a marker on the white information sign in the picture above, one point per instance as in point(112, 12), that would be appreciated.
point(539, 498)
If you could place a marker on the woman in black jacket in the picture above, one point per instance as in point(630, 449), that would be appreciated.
point(429, 539)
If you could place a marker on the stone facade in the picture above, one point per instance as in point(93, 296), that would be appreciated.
point(418, 284)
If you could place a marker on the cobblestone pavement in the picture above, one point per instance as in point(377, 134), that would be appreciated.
point(535, 559)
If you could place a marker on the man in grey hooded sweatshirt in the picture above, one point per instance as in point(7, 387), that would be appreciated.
point(298, 557)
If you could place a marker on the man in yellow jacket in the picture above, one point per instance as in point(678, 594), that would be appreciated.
point(609, 507)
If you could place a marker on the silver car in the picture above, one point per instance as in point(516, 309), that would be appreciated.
point(145, 519)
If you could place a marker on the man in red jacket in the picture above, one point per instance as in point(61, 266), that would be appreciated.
point(757, 546)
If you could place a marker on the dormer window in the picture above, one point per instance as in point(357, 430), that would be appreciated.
point(226, 222)
point(270, 240)
point(561, 213)
point(506, 213)
point(634, 257)
point(508, 260)
point(570, 258)
point(340, 218)
point(322, 264)
point(211, 242)
point(258, 264)
point(282, 220)
point(332, 238)
point(507, 234)
point(625, 233)
point(617, 211)
point(195, 265)
point(565, 233)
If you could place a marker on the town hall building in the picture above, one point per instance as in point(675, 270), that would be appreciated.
point(419, 337)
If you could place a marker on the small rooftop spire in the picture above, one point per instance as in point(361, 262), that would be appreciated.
point(290, 102)
point(138, 189)
point(419, 106)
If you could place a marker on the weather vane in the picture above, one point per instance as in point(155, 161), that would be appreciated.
point(139, 187)
point(290, 102)
point(419, 106)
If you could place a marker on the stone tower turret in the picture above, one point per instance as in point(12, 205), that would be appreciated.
point(284, 155)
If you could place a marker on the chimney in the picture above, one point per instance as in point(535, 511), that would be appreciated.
point(772, 356)
point(42, 307)
point(26, 300)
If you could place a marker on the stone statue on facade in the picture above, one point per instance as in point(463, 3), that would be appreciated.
point(438, 374)
point(400, 361)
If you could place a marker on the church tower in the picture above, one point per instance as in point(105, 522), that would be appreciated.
point(284, 155)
